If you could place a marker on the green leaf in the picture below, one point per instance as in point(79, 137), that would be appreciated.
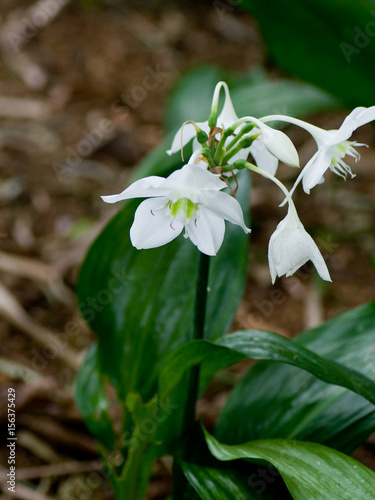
point(92, 401)
point(258, 345)
point(309, 470)
point(214, 479)
point(252, 94)
point(326, 42)
point(275, 400)
point(214, 482)
point(140, 303)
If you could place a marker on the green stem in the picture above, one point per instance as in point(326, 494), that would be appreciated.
point(198, 333)
point(179, 481)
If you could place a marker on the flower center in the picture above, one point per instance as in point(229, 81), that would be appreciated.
point(183, 210)
point(338, 165)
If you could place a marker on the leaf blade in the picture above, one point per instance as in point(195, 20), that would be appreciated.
point(280, 401)
point(309, 470)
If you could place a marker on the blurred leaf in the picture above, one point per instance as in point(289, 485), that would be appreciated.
point(140, 303)
point(158, 162)
point(326, 42)
point(80, 228)
point(252, 94)
point(275, 400)
point(92, 401)
point(191, 97)
point(257, 344)
point(310, 471)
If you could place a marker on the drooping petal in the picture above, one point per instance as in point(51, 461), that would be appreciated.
point(263, 158)
point(152, 225)
point(143, 188)
point(226, 207)
point(207, 232)
point(316, 168)
point(185, 134)
point(318, 261)
point(290, 247)
point(358, 117)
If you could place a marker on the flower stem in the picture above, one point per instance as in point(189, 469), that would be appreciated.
point(179, 481)
point(198, 333)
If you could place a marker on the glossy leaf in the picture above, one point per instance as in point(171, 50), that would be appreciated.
point(215, 479)
point(210, 482)
point(92, 401)
point(275, 400)
point(309, 470)
point(326, 42)
point(258, 345)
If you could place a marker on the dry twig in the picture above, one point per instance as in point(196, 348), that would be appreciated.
point(36, 271)
point(13, 312)
point(59, 469)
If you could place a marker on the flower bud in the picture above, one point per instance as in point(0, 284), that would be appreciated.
point(279, 145)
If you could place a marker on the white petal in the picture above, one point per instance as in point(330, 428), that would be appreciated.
point(319, 263)
point(188, 132)
point(241, 155)
point(151, 227)
point(358, 117)
point(228, 115)
point(190, 180)
point(263, 158)
point(207, 232)
point(143, 188)
point(316, 168)
point(290, 247)
point(225, 206)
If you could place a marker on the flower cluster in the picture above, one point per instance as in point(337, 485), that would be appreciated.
point(191, 199)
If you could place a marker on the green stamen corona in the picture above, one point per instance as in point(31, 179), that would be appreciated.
point(183, 210)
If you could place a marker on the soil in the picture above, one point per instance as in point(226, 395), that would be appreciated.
point(68, 77)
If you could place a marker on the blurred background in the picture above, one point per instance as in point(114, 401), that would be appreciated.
point(87, 90)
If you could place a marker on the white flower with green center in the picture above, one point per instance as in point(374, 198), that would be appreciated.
point(333, 146)
point(290, 247)
point(189, 199)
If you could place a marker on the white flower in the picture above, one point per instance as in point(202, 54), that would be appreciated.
point(290, 247)
point(189, 199)
point(228, 117)
point(333, 146)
